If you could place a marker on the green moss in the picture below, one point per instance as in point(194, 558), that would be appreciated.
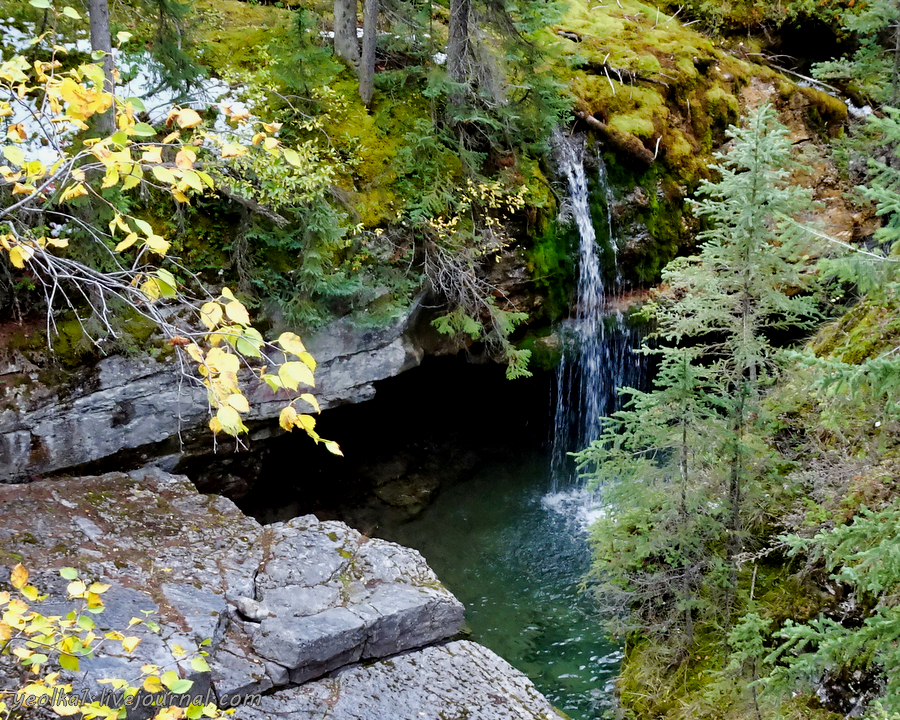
point(549, 261)
point(233, 35)
point(721, 106)
point(824, 111)
point(633, 124)
point(867, 330)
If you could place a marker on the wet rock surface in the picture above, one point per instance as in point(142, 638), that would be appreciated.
point(281, 605)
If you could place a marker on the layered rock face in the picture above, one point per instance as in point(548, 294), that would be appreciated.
point(290, 608)
point(149, 408)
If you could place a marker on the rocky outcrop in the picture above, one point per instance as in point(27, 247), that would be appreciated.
point(281, 605)
point(456, 680)
point(150, 408)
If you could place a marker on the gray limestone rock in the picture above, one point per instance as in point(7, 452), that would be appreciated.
point(456, 680)
point(139, 404)
point(284, 603)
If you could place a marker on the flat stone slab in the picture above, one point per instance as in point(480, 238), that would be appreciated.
point(456, 680)
point(281, 604)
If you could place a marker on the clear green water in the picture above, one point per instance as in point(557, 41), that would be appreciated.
point(515, 554)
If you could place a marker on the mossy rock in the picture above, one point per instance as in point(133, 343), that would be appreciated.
point(862, 333)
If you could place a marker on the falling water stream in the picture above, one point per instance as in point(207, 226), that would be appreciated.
point(597, 344)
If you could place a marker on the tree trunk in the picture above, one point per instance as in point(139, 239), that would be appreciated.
point(346, 44)
point(367, 61)
point(101, 40)
point(458, 43)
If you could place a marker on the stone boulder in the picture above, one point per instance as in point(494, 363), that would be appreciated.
point(280, 604)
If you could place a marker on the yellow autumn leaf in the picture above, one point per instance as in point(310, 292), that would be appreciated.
point(184, 159)
point(19, 255)
point(111, 178)
point(152, 155)
point(18, 577)
point(211, 314)
point(76, 589)
point(333, 448)
point(230, 420)
point(152, 684)
point(187, 118)
point(293, 374)
point(223, 361)
point(194, 352)
point(229, 151)
point(129, 240)
point(291, 343)
point(237, 312)
point(307, 422)
point(286, 418)
point(164, 175)
point(130, 643)
point(308, 360)
point(238, 402)
point(150, 288)
point(157, 244)
point(133, 179)
point(311, 399)
point(99, 588)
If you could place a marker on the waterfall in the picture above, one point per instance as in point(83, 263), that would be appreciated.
point(597, 344)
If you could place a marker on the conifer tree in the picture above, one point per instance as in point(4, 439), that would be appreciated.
point(676, 464)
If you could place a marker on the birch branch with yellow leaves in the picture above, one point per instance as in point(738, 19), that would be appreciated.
point(52, 157)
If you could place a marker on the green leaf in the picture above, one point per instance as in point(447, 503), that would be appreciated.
point(70, 12)
point(143, 226)
point(200, 665)
point(68, 573)
point(181, 686)
point(249, 343)
point(137, 104)
point(42, 4)
point(68, 662)
point(143, 130)
point(85, 623)
point(292, 157)
point(167, 283)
